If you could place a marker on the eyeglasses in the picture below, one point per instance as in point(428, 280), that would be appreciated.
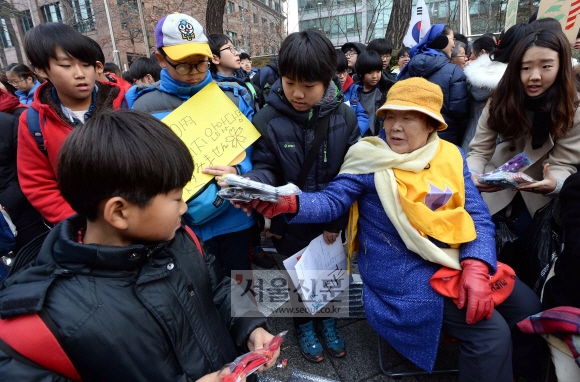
point(233, 50)
point(16, 82)
point(351, 54)
point(246, 62)
point(185, 69)
point(386, 57)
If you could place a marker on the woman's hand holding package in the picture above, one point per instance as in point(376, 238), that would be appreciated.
point(545, 186)
point(475, 291)
point(484, 187)
point(285, 205)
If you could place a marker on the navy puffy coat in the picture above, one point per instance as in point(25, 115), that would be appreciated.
point(453, 83)
point(287, 135)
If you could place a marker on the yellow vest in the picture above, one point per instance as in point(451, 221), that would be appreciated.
point(434, 199)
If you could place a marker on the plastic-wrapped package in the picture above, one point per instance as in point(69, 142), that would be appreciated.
point(508, 175)
point(506, 179)
point(245, 190)
point(248, 363)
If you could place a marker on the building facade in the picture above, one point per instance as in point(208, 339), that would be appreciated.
point(260, 33)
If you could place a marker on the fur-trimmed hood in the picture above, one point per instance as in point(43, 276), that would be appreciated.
point(484, 73)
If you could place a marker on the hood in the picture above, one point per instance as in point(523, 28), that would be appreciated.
point(484, 73)
point(347, 83)
point(8, 102)
point(426, 64)
point(137, 91)
point(433, 32)
point(358, 46)
point(329, 101)
point(239, 77)
point(108, 94)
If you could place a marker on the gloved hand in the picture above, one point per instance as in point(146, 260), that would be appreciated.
point(474, 288)
point(285, 205)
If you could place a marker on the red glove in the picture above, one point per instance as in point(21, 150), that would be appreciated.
point(285, 205)
point(474, 287)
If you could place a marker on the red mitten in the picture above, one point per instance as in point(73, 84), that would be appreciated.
point(474, 288)
point(285, 205)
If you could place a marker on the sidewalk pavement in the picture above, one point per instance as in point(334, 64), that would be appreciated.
point(361, 362)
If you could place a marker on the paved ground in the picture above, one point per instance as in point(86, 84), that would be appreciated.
point(361, 362)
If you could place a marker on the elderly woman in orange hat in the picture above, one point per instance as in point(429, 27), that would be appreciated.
point(419, 213)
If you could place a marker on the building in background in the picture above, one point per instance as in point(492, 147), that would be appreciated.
point(364, 20)
point(260, 33)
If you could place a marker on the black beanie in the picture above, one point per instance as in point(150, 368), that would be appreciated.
point(440, 42)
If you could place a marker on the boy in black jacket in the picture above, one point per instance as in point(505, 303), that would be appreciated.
point(132, 297)
point(303, 100)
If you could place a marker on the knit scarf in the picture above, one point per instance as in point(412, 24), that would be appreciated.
point(542, 119)
point(417, 208)
point(181, 89)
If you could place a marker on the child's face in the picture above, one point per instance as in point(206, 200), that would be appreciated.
point(371, 79)
point(229, 58)
point(303, 95)
point(246, 64)
point(539, 70)
point(197, 72)
point(159, 220)
point(22, 84)
point(342, 76)
point(73, 79)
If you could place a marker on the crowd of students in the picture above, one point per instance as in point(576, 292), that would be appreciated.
point(118, 276)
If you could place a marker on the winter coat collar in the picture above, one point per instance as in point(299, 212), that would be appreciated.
point(329, 101)
point(62, 256)
point(484, 73)
point(347, 83)
point(45, 103)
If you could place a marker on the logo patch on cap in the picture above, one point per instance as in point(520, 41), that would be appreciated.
point(186, 30)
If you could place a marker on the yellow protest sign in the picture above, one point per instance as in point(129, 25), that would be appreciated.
point(214, 130)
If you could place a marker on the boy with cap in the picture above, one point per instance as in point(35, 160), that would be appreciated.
point(127, 292)
point(183, 53)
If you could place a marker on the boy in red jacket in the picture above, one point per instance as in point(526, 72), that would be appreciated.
point(66, 101)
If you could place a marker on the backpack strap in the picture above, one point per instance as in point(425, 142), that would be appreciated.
point(33, 122)
point(31, 337)
point(195, 240)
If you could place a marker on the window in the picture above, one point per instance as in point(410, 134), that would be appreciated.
point(26, 21)
point(277, 7)
point(231, 7)
point(270, 3)
point(233, 36)
point(272, 28)
point(255, 18)
point(264, 21)
point(84, 15)
point(240, 8)
point(51, 13)
point(4, 35)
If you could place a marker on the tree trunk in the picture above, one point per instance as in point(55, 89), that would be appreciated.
point(399, 22)
point(15, 42)
point(214, 16)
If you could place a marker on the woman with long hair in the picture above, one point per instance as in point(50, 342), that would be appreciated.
point(484, 73)
point(534, 109)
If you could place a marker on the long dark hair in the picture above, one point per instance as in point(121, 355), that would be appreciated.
point(507, 114)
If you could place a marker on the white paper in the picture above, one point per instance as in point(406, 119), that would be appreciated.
point(320, 272)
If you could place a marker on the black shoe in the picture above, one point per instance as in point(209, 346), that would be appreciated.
point(263, 260)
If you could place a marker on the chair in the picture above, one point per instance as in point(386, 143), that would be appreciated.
point(401, 374)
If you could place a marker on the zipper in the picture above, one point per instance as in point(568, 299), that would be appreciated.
point(325, 147)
